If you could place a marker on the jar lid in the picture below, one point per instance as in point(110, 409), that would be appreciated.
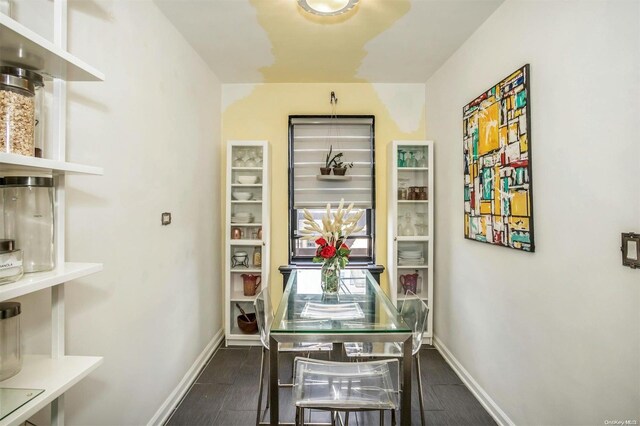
point(9, 309)
point(18, 83)
point(26, 181)
point(7, 245)
point(30, 75)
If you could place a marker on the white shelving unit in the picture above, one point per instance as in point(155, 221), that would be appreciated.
point(255, 152)
point(410, 224)
point(55, 372)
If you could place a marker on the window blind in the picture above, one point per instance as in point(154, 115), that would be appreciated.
point(310, 141)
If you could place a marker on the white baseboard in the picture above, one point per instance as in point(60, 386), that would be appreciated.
point(167, 407)
point(483, 397)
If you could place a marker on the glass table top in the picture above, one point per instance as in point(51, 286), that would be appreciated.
point(360, 307)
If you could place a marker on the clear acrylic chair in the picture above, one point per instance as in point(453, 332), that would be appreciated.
point(415, 313)
point(264, 317)
point(345, 387)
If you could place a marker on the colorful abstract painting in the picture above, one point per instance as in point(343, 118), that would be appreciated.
point(498, 206)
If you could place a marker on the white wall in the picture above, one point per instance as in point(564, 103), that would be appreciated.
point(554, 336)
point(154, 125)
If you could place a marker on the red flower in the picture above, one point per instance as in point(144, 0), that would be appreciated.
point(321, 241)
point(328, 252)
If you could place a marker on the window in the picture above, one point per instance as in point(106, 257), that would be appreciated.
point(310, 138)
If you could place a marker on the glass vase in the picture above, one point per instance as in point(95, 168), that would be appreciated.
point(330, 278)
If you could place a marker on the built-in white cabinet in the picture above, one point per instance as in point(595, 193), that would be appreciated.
point(246, 261)
point(56, 372)
point(410, 223)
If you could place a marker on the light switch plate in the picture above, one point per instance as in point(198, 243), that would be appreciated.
point(631, 250)
point(166, 219)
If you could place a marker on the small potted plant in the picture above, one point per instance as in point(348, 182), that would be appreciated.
point(339, 167)
point(329, 161)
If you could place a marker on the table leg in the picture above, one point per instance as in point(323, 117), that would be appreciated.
point(405, 402)
point(274, 414)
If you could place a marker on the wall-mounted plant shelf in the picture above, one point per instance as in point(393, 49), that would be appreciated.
point(333, 177)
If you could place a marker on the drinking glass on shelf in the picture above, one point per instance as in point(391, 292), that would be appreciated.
point(423, 161)
point(412, 162)
point(401, 160)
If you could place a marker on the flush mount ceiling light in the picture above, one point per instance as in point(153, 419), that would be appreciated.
point(327, 7)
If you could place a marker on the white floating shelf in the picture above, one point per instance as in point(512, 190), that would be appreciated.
point(55, 376)
point(412, 169)
point(23, 164)
point(251, 185)
point(412, 239)
point(246, 242)
point(233, 224)
point(246, 168)
point(246, 201)
point(412, 201)
point(413, 267)
point(333, 177)
point(41, 280)
point(18, 44)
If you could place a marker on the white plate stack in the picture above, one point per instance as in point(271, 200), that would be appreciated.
point(242, 217)
point(410, 256)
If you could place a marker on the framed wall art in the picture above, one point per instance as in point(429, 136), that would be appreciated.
point(498, 207)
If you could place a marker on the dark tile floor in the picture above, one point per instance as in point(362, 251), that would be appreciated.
point(226, 394)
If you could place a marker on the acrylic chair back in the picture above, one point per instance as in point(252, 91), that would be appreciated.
point(415, 313)
point(264, 315)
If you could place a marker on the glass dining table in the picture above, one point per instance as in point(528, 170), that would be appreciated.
point(361, 312)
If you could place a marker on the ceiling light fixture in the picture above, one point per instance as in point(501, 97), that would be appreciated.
point(327, 7)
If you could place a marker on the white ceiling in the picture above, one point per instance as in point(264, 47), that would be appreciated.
point(392, 41)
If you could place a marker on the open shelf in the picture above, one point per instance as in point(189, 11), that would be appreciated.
point(41, 280)
point(246, 168)
point(20, 45)
point(243, 270)
point(25, 164)
point(412, 201)
point(412, 238)
point(246, 201)
point(403, 297)
point(246, 242)
point(246, 185)
point(412, 266)
point(238, 296)
point(55, 376)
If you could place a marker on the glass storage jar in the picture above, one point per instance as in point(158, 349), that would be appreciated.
point(38, 86)
point(28, 219)
point(10, 345)
point(10, 262)
point(17, 115)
